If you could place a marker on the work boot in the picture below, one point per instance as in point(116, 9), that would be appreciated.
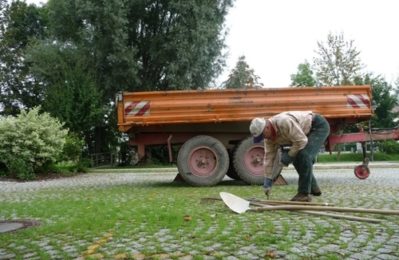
point(302, 197)
point(316, 191)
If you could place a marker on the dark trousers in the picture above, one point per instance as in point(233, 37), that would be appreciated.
point(305, 158)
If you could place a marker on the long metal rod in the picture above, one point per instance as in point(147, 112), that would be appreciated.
point(262, 203)
point(301, 207)
point(318, 213)
point(328, 208)
point(284, 202)
point(340, 216)
point(279, 202)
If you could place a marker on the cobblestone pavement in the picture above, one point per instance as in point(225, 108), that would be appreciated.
point(97, 179)
point(345, 239)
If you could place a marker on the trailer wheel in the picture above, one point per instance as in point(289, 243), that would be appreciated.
point(362, 172)
point(203, 161)
point(248, 161)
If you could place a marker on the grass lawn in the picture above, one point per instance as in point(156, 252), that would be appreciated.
point(86, 220)
point(162, 220)
point(355, 157)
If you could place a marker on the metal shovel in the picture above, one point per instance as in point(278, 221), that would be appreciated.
point(240, 205)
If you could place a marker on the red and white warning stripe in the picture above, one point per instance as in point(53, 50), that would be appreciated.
point(141, 108)
point(358, 101)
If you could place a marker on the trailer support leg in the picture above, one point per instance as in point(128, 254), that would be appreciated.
point(170, 148)
point(364, 150)
point(141, 151)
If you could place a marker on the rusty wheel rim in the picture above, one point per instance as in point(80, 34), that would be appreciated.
point(203, 161)
point(362, 172)
point(253, 160)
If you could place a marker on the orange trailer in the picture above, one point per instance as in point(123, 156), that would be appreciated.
point(212, 125)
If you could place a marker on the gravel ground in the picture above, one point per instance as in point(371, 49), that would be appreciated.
point(362, 241)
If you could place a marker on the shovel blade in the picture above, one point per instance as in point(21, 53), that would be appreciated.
point(235, 203)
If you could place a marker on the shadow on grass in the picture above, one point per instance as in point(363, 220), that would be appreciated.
point(179, 183)
point(183, 184)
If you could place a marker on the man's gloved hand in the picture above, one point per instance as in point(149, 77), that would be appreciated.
point(267, 186)
point(286, 159)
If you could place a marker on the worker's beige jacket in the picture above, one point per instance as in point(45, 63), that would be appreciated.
point(291, 129)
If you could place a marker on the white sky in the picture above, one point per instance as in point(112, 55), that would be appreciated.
point(277, 35)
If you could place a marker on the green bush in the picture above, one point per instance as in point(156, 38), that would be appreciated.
point(67, 168)
point(72, 150)
point(21, 169)
point(3, 169)
point(390, 147)
point(29, 141)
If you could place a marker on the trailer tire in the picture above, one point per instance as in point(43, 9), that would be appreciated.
point(248, 161)
point(202, 161)
point(362, 172)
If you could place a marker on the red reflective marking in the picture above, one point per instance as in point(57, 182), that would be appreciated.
point(129, 108)
point(365, 100)
point(144, 109)
point(356, 100)
point(352, 103)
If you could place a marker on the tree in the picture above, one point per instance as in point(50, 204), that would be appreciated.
point(338, 61)
point(3, 8)
point(71, 93)
point(98, 30)
point(145, 45)
point(124, 45)
point(20, 24)
point(179, 42)
point(384, 100)
point(304, 76)
point(242, 76)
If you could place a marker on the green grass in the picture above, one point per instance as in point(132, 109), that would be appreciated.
point(355, 157)
point(134, 212)
point(96, 220)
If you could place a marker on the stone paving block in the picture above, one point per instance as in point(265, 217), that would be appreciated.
point(7, 256)
point(357, 256)
point(327, 249)
point(385, 250)
point(386, 257)
point(30, 255)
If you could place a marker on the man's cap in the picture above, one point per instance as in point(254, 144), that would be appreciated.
point(256, 128)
